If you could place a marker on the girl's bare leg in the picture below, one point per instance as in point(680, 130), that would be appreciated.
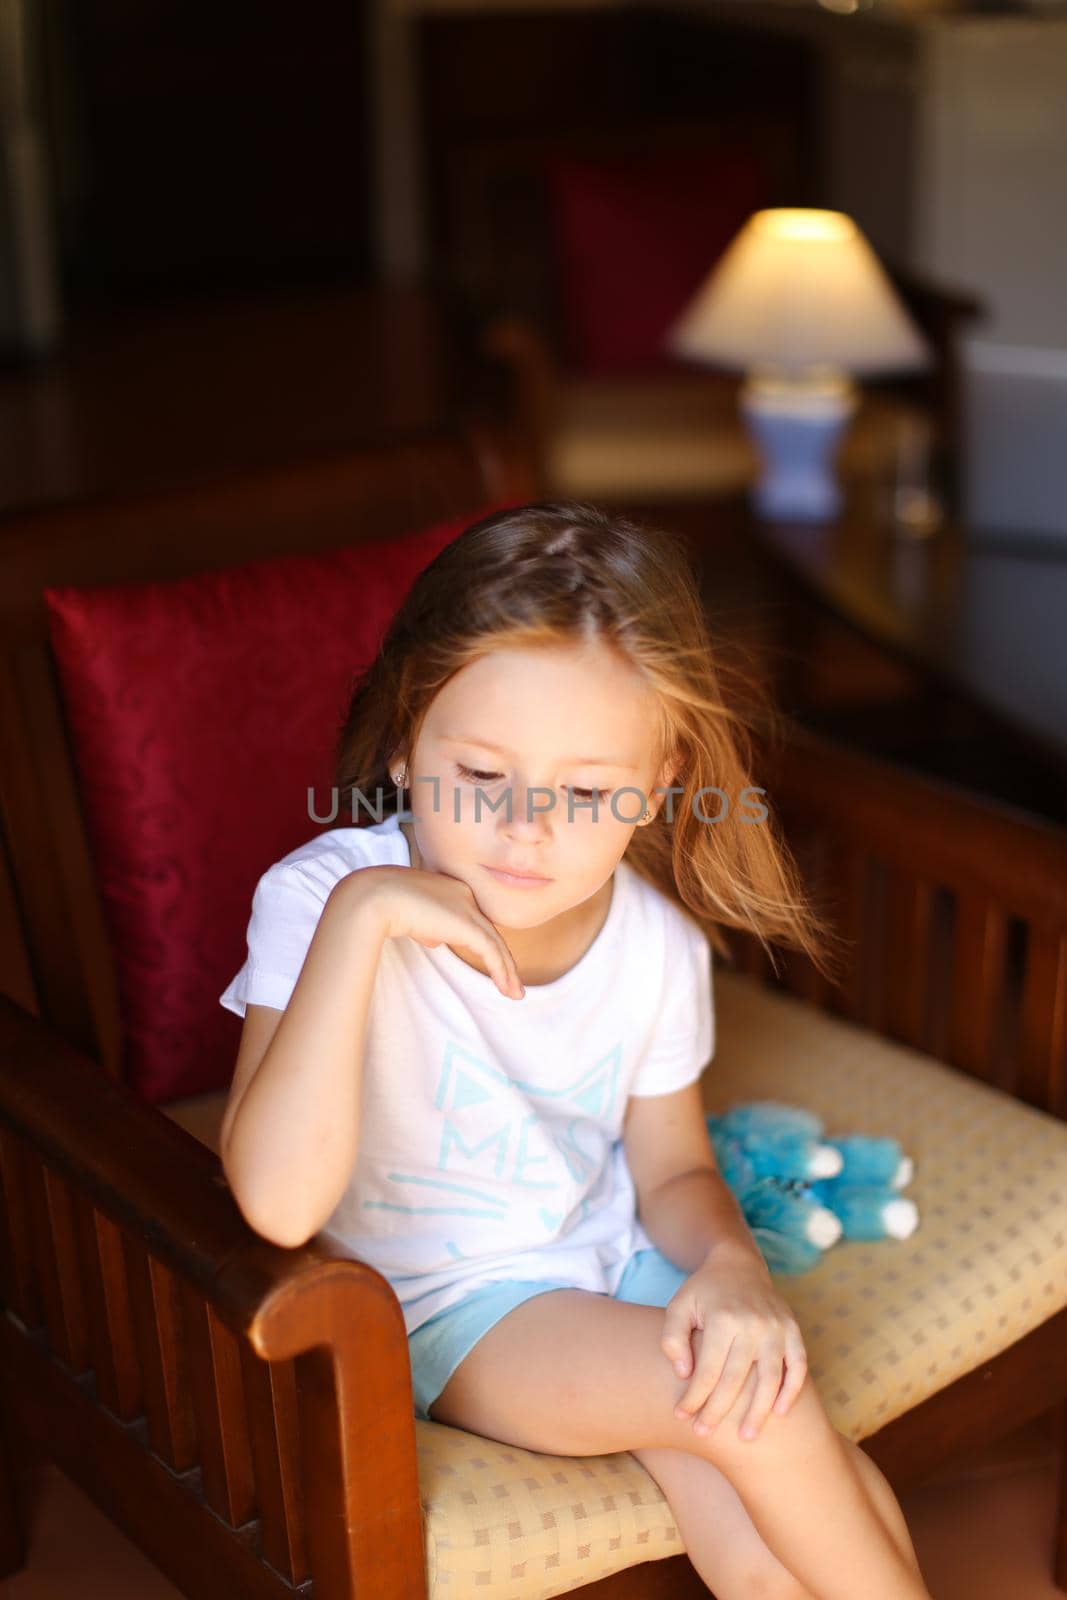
point(720, 1538)
point(573, 1373)
point(717, 1531)
point(883, 1499)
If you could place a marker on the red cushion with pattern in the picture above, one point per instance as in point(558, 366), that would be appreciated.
point(634, 239)
point(201, 711)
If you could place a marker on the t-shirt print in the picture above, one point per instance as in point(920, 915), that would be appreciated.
point(499, 1154)
point(490, 1129)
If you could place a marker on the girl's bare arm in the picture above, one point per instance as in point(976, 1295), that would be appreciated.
point(291, 1128)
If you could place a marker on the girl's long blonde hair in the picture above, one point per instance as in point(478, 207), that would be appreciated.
point(560, 573)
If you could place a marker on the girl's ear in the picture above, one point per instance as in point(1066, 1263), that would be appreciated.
point(668, 775)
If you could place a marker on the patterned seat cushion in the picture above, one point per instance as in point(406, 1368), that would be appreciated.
point(507, 1522)
point(885, 1324)
point(888, 1324)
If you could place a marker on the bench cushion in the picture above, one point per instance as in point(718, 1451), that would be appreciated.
point(888, 1324)
point(885, 1324)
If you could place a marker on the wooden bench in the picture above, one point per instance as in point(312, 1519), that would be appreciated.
point(244, 1412)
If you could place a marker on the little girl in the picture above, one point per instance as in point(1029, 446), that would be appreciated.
point(474, 1033)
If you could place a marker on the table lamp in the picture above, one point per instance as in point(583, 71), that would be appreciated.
point(800, 302)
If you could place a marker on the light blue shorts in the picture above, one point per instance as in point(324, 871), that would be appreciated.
point(439, 1345)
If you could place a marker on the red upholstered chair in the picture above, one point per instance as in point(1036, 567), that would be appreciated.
point(244, 1412)
point(622, 231)
point(634, 233)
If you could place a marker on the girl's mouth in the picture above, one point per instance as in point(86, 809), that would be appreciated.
point(515, 880)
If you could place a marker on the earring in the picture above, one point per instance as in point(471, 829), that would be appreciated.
point(400, 778)
point(647, 817)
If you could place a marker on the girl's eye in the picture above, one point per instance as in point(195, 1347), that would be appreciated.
point(473, 775)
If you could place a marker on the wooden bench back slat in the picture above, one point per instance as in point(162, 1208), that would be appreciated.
point(275, 1443)
point(21, 1290)
point(978, 983)
point(162, 1356)
point(800, 976)
point(110, 1317)
point(848, 882)
point(69, 1330)
point(219, 1407)
point(1043, 1022)
point(842, 880)
point(44, 1265)
point(909, 929)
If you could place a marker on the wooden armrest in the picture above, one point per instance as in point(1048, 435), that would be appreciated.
point(125, 1255)
point(161, 1185)
point(150, 1176)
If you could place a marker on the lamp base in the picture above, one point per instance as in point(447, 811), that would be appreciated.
point(796, 428)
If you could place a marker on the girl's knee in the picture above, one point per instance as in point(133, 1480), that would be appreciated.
point(806, 1422)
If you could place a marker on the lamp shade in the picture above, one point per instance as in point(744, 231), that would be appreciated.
point(797, 290)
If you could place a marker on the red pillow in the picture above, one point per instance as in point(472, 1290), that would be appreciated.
point(200, 713)
point(635, 238)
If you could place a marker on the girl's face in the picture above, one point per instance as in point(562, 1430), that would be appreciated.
point(533, 723)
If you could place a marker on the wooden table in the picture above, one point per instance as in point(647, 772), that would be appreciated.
point(987, 621)
point(969, 641)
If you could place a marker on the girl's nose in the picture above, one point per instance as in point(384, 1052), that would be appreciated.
point(532, 810)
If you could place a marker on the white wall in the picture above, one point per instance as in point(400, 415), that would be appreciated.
point(947, 140)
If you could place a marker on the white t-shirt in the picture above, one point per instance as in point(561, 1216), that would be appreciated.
point(490, 1139)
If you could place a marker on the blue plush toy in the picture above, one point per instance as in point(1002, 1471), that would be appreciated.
point(801, 1192)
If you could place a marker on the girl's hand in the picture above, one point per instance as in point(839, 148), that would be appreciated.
point(744, 1322)
point(433, 908)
